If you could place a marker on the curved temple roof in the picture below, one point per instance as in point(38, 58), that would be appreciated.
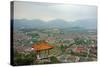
point(42, 46)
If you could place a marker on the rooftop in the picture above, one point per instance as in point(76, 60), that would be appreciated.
point(42, 46)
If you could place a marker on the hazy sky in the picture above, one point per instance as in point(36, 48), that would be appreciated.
point(46, 12)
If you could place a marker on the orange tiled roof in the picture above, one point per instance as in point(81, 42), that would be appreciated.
point(41, 46)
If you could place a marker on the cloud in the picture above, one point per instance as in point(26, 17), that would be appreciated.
point(43, 11)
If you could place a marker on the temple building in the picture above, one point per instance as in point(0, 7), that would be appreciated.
point(42, 49)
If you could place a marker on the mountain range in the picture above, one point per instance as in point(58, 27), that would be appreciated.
point(57, 23)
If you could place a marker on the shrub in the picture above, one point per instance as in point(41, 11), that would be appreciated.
point(54, 59)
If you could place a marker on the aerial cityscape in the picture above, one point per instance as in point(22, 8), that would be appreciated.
point(46, 33)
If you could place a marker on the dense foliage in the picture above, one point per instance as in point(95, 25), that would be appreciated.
point(24, 59)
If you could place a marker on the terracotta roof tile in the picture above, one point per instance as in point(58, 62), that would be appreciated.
point(42, 46)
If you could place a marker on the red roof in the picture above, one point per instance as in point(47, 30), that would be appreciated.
point(79, 49)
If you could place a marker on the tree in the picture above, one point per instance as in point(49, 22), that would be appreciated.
point(63, 47)
point(24, 59)
point(77, 41)
point(35, 37)
point(82, 41)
